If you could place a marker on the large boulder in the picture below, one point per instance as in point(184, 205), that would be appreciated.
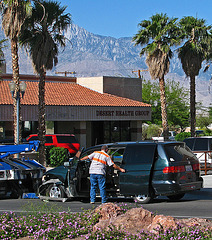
point(139, 219)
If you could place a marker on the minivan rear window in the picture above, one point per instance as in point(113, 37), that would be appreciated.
point(66, 139)
point(178, 152)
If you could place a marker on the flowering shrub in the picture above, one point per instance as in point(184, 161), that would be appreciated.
point(71, 225)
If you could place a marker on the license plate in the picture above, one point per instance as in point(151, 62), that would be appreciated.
point(188, 168)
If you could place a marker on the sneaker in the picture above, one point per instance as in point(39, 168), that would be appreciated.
point(92, 202)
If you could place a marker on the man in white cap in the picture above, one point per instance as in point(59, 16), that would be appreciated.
point(97, 171)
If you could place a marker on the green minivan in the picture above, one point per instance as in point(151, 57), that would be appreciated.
point(152, 169)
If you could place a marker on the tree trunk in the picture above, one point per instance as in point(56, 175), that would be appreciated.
point(16, 79)
point(192, 106)
point(163, 109)
point(41, 118)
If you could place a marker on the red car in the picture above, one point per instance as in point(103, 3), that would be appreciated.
point(68, 141)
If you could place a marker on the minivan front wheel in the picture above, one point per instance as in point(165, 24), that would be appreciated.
point(143, 199)
point(55, 191)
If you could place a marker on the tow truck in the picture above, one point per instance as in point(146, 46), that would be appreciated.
point(19, 176)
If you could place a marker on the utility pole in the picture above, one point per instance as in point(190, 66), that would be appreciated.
point(139, 72)
point(66, 72)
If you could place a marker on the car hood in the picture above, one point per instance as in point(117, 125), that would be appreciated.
point(58, 172)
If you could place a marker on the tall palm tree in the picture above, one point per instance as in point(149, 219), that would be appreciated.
point(43, 35)
point(2, 58)
point(195, 50)
point(158, 35)
point(14, 13)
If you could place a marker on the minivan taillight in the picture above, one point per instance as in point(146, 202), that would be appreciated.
point(174, 169)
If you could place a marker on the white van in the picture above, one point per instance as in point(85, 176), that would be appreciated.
point(202, 147)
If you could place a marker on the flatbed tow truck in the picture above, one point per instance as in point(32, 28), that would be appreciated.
point(19, 176)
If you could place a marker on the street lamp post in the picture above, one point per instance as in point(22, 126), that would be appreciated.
point(17, 96)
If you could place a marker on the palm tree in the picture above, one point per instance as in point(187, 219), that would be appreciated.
point(195, 50)
point(42, 36)
point(14, 14)
point(158, 35)
point(2, 58)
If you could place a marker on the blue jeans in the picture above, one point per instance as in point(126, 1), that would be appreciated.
point(98, 180)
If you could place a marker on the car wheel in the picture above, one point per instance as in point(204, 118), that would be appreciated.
point(176, 197)
point(143, 199)
point(55, 191)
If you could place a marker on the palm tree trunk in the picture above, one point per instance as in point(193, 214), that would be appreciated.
point(192, 106)
point(163, 109)
point(16, 79)
point(41, 118)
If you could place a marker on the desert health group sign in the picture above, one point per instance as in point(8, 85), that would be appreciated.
point(118, 113)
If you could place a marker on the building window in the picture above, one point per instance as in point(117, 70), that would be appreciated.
point(116, 131)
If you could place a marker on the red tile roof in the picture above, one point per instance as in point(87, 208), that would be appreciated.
point(67, 94)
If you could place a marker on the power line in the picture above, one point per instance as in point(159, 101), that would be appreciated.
point(139, 71)
point(65, 72)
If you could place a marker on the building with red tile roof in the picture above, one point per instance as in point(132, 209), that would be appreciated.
point(79, 106)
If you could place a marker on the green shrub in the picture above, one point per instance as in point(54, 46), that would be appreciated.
point(48, 148)
point(181, 136)
point(58, 156)
point(153, 131)
point(207, 132)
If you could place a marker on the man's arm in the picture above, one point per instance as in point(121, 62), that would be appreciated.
point(84, 158)
point(118, 168)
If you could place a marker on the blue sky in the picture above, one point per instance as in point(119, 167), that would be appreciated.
point(120, 18)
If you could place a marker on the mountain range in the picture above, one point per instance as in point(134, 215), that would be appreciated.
point(90, 55)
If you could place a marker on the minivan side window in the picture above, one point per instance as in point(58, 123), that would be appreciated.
point(139, 153)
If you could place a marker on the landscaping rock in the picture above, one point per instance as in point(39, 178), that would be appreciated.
point(161, 221)
point(139, 219)
point(108, 210)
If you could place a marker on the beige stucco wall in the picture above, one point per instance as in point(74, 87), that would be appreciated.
point(94, 83)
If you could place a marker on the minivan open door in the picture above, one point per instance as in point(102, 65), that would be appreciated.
point(138, 160)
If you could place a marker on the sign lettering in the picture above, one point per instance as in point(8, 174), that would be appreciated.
point(108, 113)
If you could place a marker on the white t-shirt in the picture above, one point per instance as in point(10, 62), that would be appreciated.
point(100, 159)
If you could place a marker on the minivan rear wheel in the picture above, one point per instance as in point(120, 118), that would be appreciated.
point(176, 197)
point(143, 199)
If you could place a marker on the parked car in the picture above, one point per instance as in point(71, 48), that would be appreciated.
point(68, 141)
point(152, 169)
point(202, 147)
point(199, 132)
point(172, 135)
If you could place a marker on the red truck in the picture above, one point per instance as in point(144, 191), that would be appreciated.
point(68, 141)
